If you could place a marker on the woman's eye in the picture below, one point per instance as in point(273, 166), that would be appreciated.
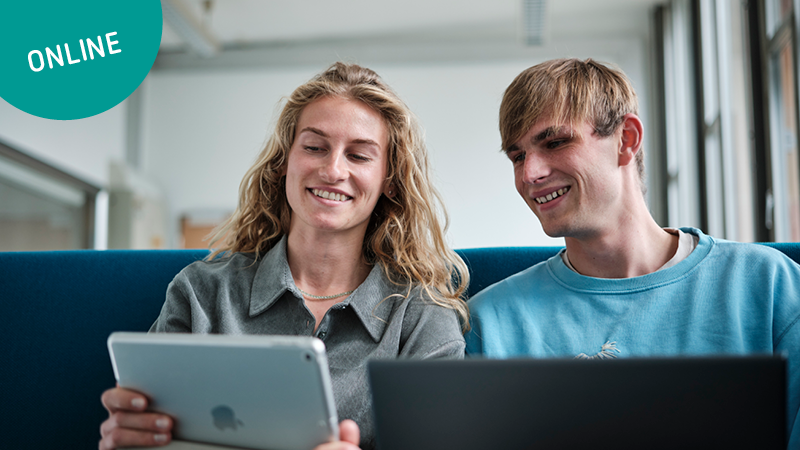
point(313, 149)
point(358, 157)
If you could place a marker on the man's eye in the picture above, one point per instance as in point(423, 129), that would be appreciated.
point(555, 143)
point(517, 158)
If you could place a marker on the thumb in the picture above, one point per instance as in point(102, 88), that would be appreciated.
point(349, 432)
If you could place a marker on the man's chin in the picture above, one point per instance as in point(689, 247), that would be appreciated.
point(554, 231)
point(551, 229)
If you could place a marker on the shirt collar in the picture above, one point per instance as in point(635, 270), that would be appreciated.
point(371, 304)
point(273, 278)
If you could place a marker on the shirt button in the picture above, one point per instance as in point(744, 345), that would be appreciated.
point(322, 334)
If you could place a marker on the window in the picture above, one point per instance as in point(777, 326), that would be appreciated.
point(783, 198)
point(725, 151)
point(41, 207)
point(730, 81)
point(680, 117)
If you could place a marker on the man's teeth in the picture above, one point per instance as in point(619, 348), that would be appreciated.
point(551, 196)
point(330, 195)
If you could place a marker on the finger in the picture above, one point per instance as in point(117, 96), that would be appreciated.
point(338, 445)
point(349, 432)
point(120, 437)
point(118, 398)
point(152, 422)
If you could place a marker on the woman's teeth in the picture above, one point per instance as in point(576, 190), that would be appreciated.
point(551, 196)
point(330, 195)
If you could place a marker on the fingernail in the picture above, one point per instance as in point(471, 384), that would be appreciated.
point(162, 423)
point(160, 437)
point(137, 403)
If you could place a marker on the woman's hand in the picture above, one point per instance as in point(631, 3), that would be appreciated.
point(128, 425)
point(349, 437)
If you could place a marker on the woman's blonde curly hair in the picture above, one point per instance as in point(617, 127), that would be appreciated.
point(405, 233)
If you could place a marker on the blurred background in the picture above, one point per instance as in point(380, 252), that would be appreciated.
point(717, 85)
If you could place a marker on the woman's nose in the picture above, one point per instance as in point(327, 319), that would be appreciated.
point(333, 168)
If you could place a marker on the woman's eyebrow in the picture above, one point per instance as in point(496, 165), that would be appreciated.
point(315, 131)
point(365, 141)
point(325, 135)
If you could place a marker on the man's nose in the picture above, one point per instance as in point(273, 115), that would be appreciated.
point(533, 169)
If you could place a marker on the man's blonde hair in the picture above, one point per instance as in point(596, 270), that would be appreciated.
point(569, 91)
point(405, 234)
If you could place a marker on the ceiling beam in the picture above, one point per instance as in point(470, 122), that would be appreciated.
point(191, 31)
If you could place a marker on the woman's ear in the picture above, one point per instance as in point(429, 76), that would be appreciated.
point(390, 190)
point(630, 139)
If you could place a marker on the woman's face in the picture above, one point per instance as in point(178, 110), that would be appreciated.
point(336, 169)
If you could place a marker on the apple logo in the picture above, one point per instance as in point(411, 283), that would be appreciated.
point(224, 417)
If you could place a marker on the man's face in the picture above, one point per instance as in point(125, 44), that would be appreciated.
point(570, 178)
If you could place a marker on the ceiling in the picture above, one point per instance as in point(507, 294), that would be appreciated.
point(253, 27)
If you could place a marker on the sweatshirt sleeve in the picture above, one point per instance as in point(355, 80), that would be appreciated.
point(787, 339)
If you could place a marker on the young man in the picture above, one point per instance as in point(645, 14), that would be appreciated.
point(623, 286)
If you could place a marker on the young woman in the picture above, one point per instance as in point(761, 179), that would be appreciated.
point(337, 235)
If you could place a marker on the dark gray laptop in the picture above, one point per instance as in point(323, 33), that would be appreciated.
point(630, 403)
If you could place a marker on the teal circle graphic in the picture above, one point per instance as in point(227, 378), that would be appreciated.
point(69, 60)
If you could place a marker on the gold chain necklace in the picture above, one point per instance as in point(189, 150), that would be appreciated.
point(325, 297)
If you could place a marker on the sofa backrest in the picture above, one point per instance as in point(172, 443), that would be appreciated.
point(58, 308)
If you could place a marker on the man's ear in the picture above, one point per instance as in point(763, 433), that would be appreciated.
point(631, 139)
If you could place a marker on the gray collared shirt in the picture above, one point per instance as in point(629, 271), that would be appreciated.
point(242, 295)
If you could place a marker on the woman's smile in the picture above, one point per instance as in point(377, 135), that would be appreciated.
point(328, 195)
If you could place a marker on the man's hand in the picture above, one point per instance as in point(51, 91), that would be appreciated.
point(128, 425)
point(349, 436)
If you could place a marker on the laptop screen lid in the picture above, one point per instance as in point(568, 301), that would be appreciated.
point(262, 392)
point(708, 402)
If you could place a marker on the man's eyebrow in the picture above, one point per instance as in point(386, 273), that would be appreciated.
point(547, 133)
point(325, 135)
point(544, 134)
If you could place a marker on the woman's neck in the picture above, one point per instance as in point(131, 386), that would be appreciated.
point(325, 264)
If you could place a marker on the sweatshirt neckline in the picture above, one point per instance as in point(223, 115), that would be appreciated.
point(582, 283)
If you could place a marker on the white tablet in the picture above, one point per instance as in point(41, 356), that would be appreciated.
point(260, 392)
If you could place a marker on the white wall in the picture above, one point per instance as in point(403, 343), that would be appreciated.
point(203, 130)
point(82, 148)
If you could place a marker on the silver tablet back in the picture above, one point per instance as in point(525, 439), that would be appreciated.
point(260, 392)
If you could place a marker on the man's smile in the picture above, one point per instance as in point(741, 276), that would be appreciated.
point(551, 196)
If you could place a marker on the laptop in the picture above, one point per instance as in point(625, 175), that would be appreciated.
point(631, 403)
point(258, 392)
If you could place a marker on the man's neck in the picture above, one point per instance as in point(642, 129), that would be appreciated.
point(633, 248)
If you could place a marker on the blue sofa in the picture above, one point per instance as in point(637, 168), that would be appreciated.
point(58, 308)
